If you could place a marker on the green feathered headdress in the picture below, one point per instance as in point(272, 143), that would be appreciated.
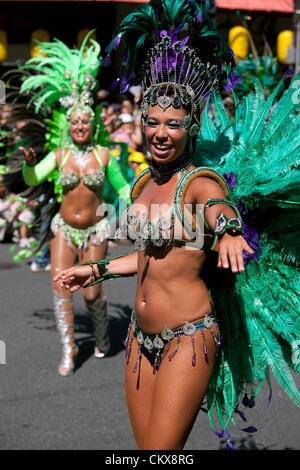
point(63, 76)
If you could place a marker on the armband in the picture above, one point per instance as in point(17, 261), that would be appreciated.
point(218, 200)
point(102, 267)
point(224, 224)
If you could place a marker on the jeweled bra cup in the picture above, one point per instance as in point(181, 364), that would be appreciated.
point(93, 180)
point(190, 226)
point(145, 233)
point(69, 180)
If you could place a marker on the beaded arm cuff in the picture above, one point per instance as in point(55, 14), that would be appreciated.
point(102, 269)
point(224, 223)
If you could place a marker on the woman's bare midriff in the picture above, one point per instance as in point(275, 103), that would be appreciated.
point(80, 207)
point(170, 290)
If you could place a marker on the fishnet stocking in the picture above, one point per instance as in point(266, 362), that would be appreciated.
point(163, 407)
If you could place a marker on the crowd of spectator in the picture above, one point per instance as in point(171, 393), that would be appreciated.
point(16, 214)
point(122, 119)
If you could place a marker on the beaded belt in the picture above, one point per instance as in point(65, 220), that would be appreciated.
point(156, 343)
point(97, 232)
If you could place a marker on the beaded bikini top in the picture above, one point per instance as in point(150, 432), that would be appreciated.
point(160, 233)
point(145, 233)
point(93, 179)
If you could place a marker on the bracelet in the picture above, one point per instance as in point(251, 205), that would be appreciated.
point(224, 223)
point(94, 275)
point(102, 267)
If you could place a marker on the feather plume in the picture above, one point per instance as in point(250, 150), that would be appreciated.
point(143, 29)
point(262, 159)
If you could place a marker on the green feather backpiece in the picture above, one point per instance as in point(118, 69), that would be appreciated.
point(265, 69)
point(258, 310)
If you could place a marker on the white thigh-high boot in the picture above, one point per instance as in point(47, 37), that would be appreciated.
point(67, 364)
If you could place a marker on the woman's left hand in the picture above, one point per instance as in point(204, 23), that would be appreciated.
point(231, 249)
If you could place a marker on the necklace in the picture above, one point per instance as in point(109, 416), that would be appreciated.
point(164, 172)
point(81, 156)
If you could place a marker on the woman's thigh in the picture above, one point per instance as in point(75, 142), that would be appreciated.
point(138, 389)
point(178, 392)
point(62, 257)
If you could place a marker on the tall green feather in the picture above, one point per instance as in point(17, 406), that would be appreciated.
point(264, 155)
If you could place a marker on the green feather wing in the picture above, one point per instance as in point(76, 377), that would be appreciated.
point(263, 154)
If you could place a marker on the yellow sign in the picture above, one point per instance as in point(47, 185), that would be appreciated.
point(3, 45)
point(284, 42)
point(40, 35)
point(238, 39)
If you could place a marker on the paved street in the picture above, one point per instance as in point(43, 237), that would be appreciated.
point(40, 410)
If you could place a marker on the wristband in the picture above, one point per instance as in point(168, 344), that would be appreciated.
point(224, 224)
point(102, 267)
point(94, 275)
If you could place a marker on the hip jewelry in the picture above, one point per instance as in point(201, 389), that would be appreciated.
point(159, 344)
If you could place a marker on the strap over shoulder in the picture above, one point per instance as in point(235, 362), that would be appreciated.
point(183, 186)
point(139, 183)
point(97, 152)
point(204, 172)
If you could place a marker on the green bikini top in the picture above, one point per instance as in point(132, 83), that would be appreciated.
point(160, 234)
point(93, 179)
point(46, 169)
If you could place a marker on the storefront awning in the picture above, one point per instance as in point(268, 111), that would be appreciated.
point(284, 6)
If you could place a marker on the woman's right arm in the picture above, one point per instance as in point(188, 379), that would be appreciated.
point(35, 174)
point(74, 278)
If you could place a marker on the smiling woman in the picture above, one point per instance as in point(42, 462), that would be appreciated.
point(78, 164)
point(168, 262)
point(80, 128)
point(189, 286)
point(166, 136)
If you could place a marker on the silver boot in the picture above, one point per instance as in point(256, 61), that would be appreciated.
point(68, 360)
point(98, 313)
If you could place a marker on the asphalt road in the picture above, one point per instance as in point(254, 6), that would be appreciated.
point(42, 411)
